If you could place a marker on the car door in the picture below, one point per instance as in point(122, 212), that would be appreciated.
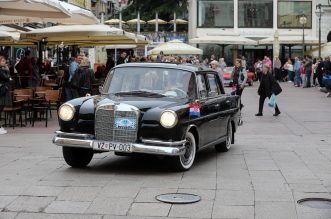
point(203, 121)
point(216, 104)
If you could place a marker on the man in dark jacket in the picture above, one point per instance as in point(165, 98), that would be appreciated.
point(308, 66)
point(122, 59)
point(268, 86)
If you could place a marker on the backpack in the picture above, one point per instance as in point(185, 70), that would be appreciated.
point(302, 69)
point(76, 79)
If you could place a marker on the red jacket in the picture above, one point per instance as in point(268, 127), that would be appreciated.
point(25, 68)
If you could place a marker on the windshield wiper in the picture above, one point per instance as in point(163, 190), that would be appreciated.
point(139, 93)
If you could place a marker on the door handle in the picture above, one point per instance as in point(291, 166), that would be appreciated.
point(217, 105)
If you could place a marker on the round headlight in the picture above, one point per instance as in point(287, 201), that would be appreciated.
point(168, 119)
point(66, 112)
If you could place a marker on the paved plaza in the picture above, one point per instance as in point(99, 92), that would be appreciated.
point(275, 162)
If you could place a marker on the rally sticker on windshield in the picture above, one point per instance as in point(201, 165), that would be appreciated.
point(195, 110)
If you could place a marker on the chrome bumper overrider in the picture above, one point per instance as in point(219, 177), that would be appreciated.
point(147, 147)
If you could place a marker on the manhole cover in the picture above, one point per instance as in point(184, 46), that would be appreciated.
point(321, 203)
point(178, 198)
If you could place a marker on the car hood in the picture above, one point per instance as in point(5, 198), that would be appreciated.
point(142, 103)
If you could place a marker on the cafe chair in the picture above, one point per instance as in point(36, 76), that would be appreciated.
point(52, 100)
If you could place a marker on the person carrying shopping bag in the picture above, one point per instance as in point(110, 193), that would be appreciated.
point(267, 88)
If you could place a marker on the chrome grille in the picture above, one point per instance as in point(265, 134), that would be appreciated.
point(105, 125)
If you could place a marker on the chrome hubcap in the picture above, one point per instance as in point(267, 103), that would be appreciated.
point(229, 138)
point(188, 157)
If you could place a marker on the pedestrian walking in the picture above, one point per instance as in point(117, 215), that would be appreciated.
point(215, 66)
point(88, 78)
point(268, 87)
point(73, 66)
point(308, 62)
point(297, 65)
point(82, 80)
point(5, 96)
point(239, 75)
point(319, 71)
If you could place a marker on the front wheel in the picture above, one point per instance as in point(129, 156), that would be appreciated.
point(225, 146)
point(77, 157)
point(185, 161)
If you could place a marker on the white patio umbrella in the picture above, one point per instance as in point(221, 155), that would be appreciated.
point(135, 21)
point(27, 11)
point(178, 21)
point(175, 47)
point(11, 38)
point(159, 21)
point(114, 21)
point(97, 34)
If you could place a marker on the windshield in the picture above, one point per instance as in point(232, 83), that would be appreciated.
point(151, 82)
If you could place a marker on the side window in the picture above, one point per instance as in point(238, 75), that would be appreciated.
point(214, 89)
point(202, 88)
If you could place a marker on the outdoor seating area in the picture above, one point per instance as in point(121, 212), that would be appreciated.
point(31, 105)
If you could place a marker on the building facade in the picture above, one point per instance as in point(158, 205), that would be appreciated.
point(255, 20)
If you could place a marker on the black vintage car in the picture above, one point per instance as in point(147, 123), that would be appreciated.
point(150, 108)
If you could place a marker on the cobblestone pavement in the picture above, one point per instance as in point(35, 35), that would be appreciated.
point(274, 163)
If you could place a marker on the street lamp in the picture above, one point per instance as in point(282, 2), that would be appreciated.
point(303, 21)
point(319, 14)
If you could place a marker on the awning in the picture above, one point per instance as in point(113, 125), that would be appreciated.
point(175, 47)
point(78, 15)
point(11, 38)
point(290, 40)
point(325, 50)
point(22, 11)
point(224, 40)
point(97, 34)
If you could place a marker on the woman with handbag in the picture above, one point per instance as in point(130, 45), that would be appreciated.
point(5, 98)
point(268, 87)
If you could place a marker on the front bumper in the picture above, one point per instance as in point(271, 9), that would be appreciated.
point(147, 147)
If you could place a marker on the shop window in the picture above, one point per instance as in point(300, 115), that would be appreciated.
point(289, 13)
point(255, 14)
point(214, 13)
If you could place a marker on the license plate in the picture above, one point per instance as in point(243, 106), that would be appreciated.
point(112, 146)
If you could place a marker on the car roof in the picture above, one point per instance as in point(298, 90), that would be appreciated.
point(187, 67)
